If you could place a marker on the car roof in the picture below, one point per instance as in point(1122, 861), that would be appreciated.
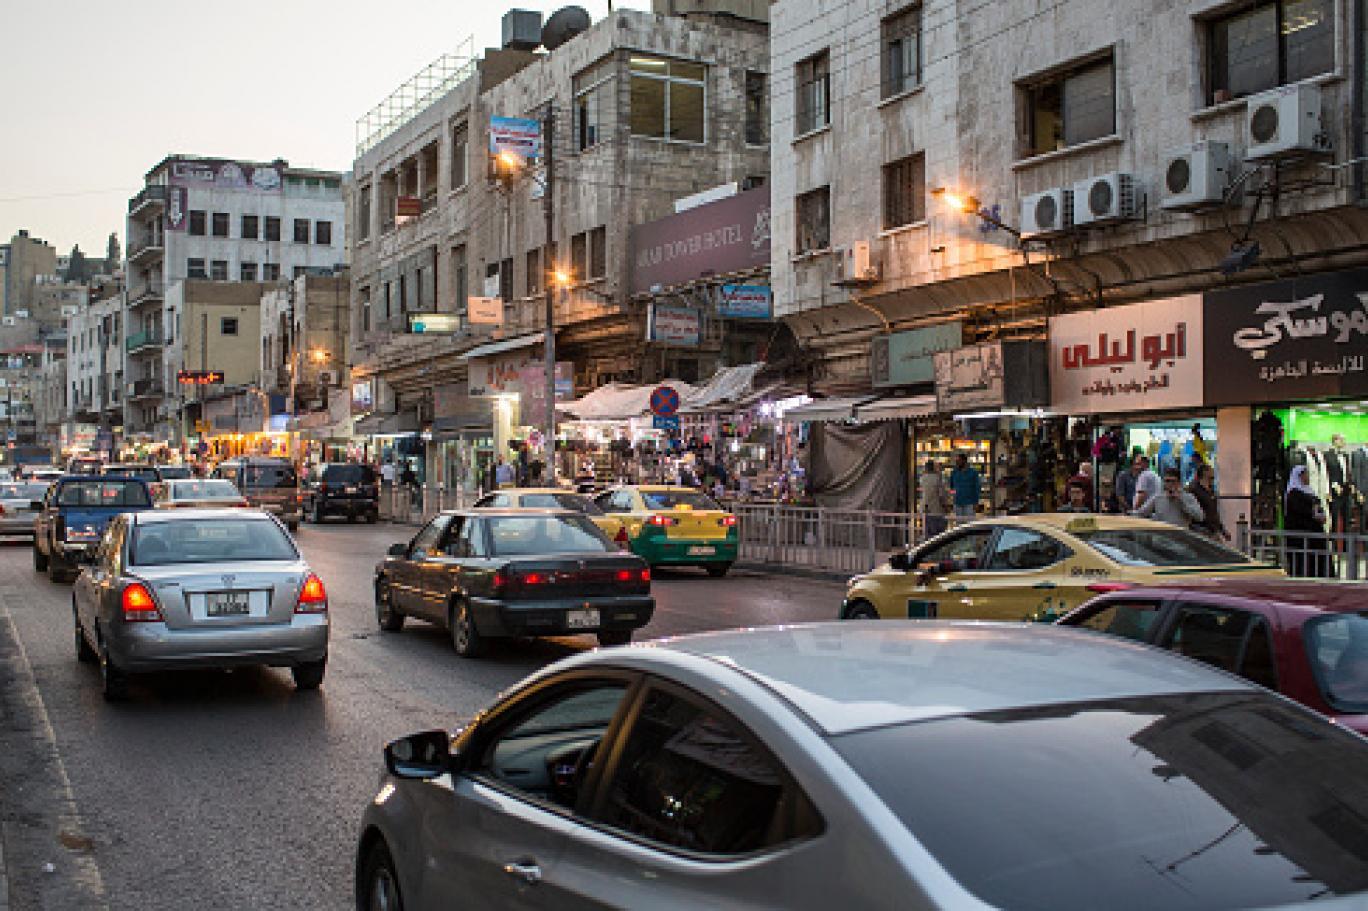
point(102, 478)
point(158, 516)
point(486, 512)
point(1061, 521)
point(1318, 594)
point(662, 488)
point(527, 490)
point(847, 675)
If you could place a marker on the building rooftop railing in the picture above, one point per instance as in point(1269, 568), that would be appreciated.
point(407, 101)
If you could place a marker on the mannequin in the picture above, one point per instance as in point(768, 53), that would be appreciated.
point(1339, 484)
point(1316, 476)
point(1359, 470)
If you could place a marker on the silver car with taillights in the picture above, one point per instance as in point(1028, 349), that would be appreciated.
point(199, 588)
point(16, 506)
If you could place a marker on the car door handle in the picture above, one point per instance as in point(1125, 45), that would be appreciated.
point(957, 587)
point(1044, 585)
point(528, 872)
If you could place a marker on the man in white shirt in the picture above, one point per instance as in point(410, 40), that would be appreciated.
point(387, 473)
point(1147, 485)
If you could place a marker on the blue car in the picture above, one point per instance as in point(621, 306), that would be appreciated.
point(73, 516)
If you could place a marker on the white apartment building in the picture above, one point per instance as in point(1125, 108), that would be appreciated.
point(95, 363)
point(221, 220)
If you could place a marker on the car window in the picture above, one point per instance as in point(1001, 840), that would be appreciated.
point(1128, 619)
point(561, 501)
point(676, 499)
point(1337, 645)
point(348, 474)
point(514, 536)
point(22, 491)
point(1024, 549)
point(425, 542)
point(210, 541)
point(473, 534)
point(106, 494)
point(607, 501)
point(1233, 640)
point(1159, 547)
point(141, 472)
point(211, 489)
point(174, 472)
point(1166, 802)
point(452, 540)
point(966, 548)
point(689, 777)
point(269, 476)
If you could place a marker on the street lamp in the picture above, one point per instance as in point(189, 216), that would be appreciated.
point(559, 279)
point(969, 205)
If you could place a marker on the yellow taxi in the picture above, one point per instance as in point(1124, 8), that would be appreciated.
point(1036, 567)
point(674, 526)
point(554, 498)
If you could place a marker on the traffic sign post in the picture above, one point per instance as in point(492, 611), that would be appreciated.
point(665, 402)
point(665, 422)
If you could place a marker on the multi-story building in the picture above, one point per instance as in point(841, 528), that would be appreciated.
point(25, 259)
point(948, 174)
point(217, 220)
point(94, 362)
point(305, 327)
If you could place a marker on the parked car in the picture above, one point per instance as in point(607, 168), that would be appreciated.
point(267, 483)
point(674, 526)
point(555, 498)
point(199, 494)
point(204, 588)
point(858, 765)
point(345, 489)
point(142, 471)
point(74, 514)
point(18, 506)
point(1307, 640)
point(175, 472)
point(1035, 567)
point(37, 473)
point(491, 573)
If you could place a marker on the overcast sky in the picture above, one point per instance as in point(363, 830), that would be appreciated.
point(98, 92)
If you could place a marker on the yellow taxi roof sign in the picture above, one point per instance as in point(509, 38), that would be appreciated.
point(1081, 524)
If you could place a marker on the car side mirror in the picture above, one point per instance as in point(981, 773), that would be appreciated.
point(901, 561)
point(397, 550)
point(420, 756)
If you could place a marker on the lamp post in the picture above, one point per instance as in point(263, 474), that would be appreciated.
point(970, 205)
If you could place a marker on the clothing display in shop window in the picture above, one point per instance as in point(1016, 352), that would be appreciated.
point(1358, 469)
point(1316, 477)
point(1166, 458)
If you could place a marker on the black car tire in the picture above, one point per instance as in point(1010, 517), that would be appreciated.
point(309, 676)
point(379, 882)
point(372, 518)
point(40, 559)
point(717, 570)
point(351, 518)
point(611, 637)
point(861, 610)
point(389, 617)
point(84, 653)
point(113, 680)
point(465, 637)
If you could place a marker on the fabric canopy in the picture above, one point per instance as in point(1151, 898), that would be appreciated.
point(836, 409)
point(858, 467)
point(619, 403)
point(889, 409)
point(728, 385)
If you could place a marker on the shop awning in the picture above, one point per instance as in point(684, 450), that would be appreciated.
point(726, 387)
point(836, 409)
point(889, 409)
point(619, 403)
point(373, 424)
point(508, 344)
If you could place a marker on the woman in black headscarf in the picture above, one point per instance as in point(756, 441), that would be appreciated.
point(1302, 512)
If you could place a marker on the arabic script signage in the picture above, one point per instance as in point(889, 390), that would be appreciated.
point(1141, 357)
point(994, 375)
point(1300, 339)
point(906, 358)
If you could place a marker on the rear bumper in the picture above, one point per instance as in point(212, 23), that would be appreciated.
point(347, 507)
point(143, 647)
point(286, 512)
point(685, 551)
point(16, 526)
point(550, 618)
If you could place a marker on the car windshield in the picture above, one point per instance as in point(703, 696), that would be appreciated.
point(269, 476)
point(569, 501)
point(525, 536)
point(675, 499)
point(175, 473)
point(1159, 547)
point(103, 494)
point(202, 490)
point(142, 473)
point(348, 474)
point(209, 541)
point(1202, 800)
point(1338, 647)
point(22, 491)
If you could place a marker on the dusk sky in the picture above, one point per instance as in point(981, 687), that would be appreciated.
point(98, 92)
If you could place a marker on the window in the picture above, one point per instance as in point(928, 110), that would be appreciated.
point(1232, 640)
point(220, 224)
point(460, 289)
point(668, 98)
point(250, 227)
point(900, 65)
point(598, 252)
point(966, 551)
point(363, 212)
point(1070, 107)
point(272, 228)
point(228, 325)
point(247, 272)
point(1337, 644)
point(1159, 547)
point(218, 270)
point(905, 191)
point(210, 541)
point(424, 544)
point(364, 297)
point(684, 499)
point(1128, 619)
point(579, 256)
point(1019, 549)
point(757, 108)
point(194, 268)
point(389, 301)
point(506, 279)
point(403, 294)
point(297, 271)
point(418, 289)
point(593, 104)
point(814, 220)
point(197, 222)
point(534, 273)
point(270, 272)
point(690, 777)
point(301, 230)
point(813, 78)
point(323, 233)
point(524, 536)
point(1271, 44)
point(460, 154)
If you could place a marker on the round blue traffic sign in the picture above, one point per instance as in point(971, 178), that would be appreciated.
point(664, 401)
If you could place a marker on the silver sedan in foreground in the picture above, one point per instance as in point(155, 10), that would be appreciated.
point(902, 764)
point(16, 506)
point(199, 588)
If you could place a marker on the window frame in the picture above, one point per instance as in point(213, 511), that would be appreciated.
point(591, 104)
point(893, 32)
point(197, 267)
point(219, 220)
point(304, 224)
point(812, 70)
point(255, 231)
point(1063, 553)
point(271, 229)
point(1174, 610)
point(224, 322)
point(218, 270)
point(200, 216)
point(1213, 74)
point(1027, 91)
point(459, 153)
point(755, 90)
point(669, 80)
point(913, 196)
point(323, 233)
point(800, 240)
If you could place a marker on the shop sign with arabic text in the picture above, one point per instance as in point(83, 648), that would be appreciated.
point(1295, 340)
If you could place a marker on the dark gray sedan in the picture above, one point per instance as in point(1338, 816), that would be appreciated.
point(904, 764)
point(199, 588)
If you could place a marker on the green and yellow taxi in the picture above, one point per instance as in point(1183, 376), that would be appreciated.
point(1036, 567)
point(553, 498)
point(674, 526)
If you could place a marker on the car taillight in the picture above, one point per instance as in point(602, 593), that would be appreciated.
point(646, 574)
point(2, 509)
point(727, 521)
point(662, 521)
point(138, 605)
point(1102, 588)
point(498, 583)
point(313, 597)
point(624, 575)
point(532, 578)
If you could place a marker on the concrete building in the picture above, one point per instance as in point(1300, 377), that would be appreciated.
point(25, 259)
point(50, 393)
point(94, 361)
point(305, 329)
point(217, 220)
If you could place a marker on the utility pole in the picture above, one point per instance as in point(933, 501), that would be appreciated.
point(549, 280)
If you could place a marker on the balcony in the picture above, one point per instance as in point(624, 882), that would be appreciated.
point(150, 197)
point(145, 295)
point(139, 342)
point(146, 249)
point(148, 388)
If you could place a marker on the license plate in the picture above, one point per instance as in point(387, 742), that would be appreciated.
point(349, 489)
point(702, 551)
point(228, 604)
point(582, 619)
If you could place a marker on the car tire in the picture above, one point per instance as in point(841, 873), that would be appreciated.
point(56, 572)
point(611, 637)
point(309, 676)
point(40, 560)
point(351, 518)
point(861, 610)
point(84, 653)
point(378, 880)
point(372, 518)
point(113, 679)
point(390, 619)
point(465, 637)
point(718, 570)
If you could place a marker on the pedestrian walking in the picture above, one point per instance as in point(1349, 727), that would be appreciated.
point(1173, 504)
point(967, 485)
point(1123, 492)
point(935, 498)
point(1203, 490)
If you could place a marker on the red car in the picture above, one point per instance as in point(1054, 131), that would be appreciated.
point(1306, 640)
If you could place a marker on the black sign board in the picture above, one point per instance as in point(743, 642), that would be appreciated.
point(1296, 340)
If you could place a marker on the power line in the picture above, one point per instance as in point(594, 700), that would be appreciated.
point(45, 196)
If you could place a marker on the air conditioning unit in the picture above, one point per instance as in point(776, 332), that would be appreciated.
point(1108, 199)
point(1196, 175)
point(1047, 214)
point(70, 310)
point(10, 321)
point(860, 264)
point(1285, 121)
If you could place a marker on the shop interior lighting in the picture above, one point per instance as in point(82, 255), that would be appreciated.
point(1036, 413)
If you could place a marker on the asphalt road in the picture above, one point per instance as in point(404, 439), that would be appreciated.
point(231, 790)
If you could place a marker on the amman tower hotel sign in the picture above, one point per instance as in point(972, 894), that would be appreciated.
point(719, 238)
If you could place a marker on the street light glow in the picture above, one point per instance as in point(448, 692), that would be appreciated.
point(561, 277)
point(510, 161)
point(960, 203)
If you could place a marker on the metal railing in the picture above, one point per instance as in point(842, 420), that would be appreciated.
point(1307, 555)
point(154, 193)
point(144, 339)
point(416, 505)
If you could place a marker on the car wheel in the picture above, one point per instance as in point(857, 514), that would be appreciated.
point(465, 638)
point(379, 881)
point(389, 617)
point(717, 570)
point(113, 680)
point(861, 610)
point(372, 518)
point(351, 518)
point(309, 676)
point(56, 571)
point(610, 637)
point(84, 653)
point(40, 560)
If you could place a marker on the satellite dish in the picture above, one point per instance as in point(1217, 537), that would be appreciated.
point(563, 25)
